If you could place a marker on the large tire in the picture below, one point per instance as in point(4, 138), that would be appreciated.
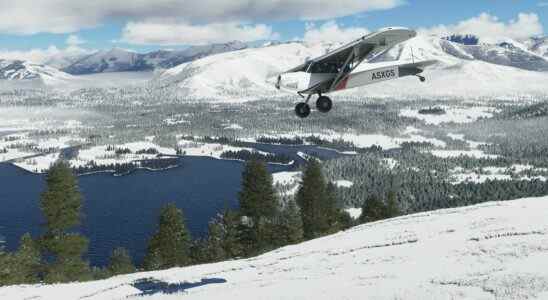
point(324, 104)
point(302, 110)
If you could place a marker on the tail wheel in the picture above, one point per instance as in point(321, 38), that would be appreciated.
point(324, 104)
point(302, 110)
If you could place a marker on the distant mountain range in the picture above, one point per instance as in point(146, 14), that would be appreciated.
point(120, 60)
point(238, 70)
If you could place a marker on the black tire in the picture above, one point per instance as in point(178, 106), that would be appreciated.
point(422, 79)
point(302, 110)
point(324, 104)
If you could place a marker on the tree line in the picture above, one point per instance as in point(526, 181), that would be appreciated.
point(262, 223)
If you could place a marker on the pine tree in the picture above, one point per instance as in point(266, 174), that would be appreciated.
point(392, 208)
point(28, 260)
point(232, 239)
point(345, 220)
point(258, 204)
point(169, 246)
point(215, 241)
point(120, 262)
point(372, 210)
point(61, 204)
point(314, 202)
point(21, 267)
point(289, 225)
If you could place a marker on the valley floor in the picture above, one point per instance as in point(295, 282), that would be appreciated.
point(496, 250)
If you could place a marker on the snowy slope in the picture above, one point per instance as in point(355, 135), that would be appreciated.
point(496, 250)
point(241, 73)
point(538, 45)
point(461, 71)
point(15, 70)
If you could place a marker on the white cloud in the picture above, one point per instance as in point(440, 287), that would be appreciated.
point(332, 32)
point(43, 55)
point(65, 16)
point(490, 29)
point(162, 33)
point(74, 40)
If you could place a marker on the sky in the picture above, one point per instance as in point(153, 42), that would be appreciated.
point(34, 29)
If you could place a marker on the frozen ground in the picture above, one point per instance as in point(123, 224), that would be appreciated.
point(452, 114)
point(496, 250)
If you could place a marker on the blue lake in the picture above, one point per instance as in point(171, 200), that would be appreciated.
point(123, 211)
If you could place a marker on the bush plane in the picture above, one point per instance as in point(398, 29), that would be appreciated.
point(338, 70)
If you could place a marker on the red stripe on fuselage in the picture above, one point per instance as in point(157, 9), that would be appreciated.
point(342, 84)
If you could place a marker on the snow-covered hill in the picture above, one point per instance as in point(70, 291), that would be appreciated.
point(482, 70)
point(496, 250)
point(237, 74)
point(18, 70)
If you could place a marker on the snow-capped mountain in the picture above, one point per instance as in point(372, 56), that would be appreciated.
point(462, 70)
point(538, 45)
point(24, 70)
point(495, 250)
point(114, 60)
point(237, 73)
point(121, 60)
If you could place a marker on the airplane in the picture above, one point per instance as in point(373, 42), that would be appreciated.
point(337, 70)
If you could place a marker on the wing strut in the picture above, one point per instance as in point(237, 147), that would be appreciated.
point(343, 72)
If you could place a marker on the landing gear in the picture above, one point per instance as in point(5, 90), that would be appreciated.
point(324, 104)
point(302, 110)
point(421, 78)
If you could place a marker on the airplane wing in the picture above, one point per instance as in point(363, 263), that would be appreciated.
point(371, 44)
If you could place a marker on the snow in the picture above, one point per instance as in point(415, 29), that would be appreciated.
point(214, 150)
point(354, 213)
point(390, 163)
point(250, 74)
point(452, 114)
point(102, 157)
point(344, 183)
point(288, 181)
point(478, 178)
point(38, 164)
point(495, 250)
point(457, 153)
point(286, 178)
point(233, 126)
point(480, 175)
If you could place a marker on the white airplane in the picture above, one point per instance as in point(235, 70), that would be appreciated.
point(336, 70)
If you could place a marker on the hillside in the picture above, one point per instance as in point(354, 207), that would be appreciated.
point(496, 250)
point(18, 70)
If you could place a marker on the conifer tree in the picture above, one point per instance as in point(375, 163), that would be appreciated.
point(314, 202)
point(372, 210)
point(215, 241)
point(290, 225)
point(169, 246)
point(28, 260)
point(61, 204)
point(392, 208)
point(258, 206)
point(120, 262)
point(257, 197)
point(22, 266)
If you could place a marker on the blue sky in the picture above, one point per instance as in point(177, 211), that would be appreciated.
point(145, 25)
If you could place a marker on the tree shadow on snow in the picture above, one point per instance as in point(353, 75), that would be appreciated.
point(151, 286)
